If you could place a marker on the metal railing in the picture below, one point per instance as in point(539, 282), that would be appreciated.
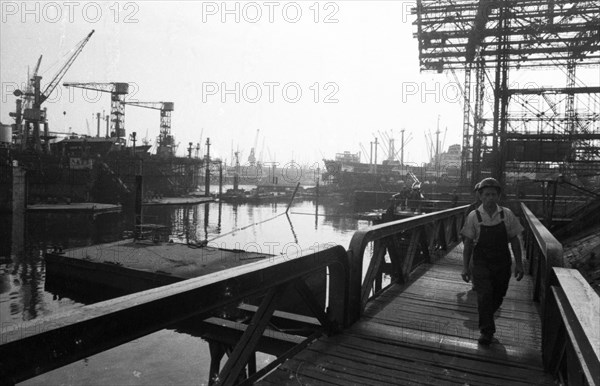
point(570, 309)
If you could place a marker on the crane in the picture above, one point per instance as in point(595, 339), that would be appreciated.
point(165, 141)
point(31, 111)
point(252, 156)
point(262, 150)
point(28, 95)
point(117, 91)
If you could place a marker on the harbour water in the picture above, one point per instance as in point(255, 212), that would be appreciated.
point(167, 357)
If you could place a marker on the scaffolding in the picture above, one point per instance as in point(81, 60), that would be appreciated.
point(528, 129)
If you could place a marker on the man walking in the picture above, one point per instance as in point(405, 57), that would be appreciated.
point(473, 206)
point(486, 234)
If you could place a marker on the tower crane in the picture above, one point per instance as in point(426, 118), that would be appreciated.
point(117, 92)
point(26, 102)
point(252, 156)
point(31, 111)
point(165, 141)
point(262, 150)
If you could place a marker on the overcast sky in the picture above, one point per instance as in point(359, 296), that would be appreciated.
point(315, 78)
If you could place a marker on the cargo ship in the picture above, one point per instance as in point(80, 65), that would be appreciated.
point(347, 173)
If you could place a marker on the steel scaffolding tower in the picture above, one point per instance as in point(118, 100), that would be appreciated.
point(526, 129)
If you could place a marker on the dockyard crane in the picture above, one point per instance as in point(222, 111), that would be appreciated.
point(252, 156)
point(31, 111)
point(118, 91)
point(27, 101)
point(262, 150)
point(165, 141)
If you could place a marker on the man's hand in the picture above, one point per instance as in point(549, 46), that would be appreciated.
point(519, 272)
point(466, 275)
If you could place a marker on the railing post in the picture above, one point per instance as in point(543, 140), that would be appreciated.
point(547, 252)
point(354, 277)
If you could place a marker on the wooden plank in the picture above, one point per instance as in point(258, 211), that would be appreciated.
point(440, 341)
point(424, 332)
point(347, 371)
point(580, 356)
point(395, 364)
point(425, 369)
point(585, 303)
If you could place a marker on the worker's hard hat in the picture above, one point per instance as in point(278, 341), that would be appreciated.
point(476, 187)
point(489, 183)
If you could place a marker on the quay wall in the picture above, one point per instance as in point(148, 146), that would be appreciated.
point(5, 188)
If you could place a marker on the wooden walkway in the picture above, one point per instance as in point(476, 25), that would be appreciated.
point(425, 333)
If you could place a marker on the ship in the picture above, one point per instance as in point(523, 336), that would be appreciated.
point(347, 173)
point(97, 169)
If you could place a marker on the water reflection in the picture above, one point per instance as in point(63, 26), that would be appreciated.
point(22, 269)
point(23, 295)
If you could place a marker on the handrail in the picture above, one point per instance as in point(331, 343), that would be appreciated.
point(403, 240)
point(543, 251)
point(44, 344)
point(570, 309)
point(570, 336)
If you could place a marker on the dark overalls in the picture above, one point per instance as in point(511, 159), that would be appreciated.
point(491, 271)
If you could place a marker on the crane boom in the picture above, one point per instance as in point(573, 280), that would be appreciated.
point(120, 88)
point(63, 70)
point(152, 105)
point(29, 92)
point(32, 110)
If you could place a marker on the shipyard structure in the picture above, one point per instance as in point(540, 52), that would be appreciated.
point(517, 131)
point(39, 167)
point(510, 131)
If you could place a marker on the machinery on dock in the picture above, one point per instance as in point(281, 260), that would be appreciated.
point(29, 115)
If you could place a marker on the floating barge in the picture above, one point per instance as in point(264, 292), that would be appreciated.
point(177, 201)
point(78, 207)
point(128, 266)
point(114, 269)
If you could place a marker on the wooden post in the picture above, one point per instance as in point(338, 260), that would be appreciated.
point(138, 206)
point(220, 179)
point(207, 173)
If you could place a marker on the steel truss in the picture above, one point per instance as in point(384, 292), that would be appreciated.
point(541, 128)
